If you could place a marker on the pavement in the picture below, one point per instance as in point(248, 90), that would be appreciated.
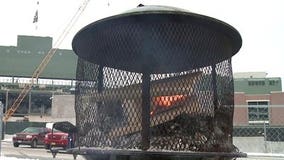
point(251, 155)
point(23, 152)
point(7, 138)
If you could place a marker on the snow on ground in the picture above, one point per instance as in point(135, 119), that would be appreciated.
point(13, 158)
point(8, 138)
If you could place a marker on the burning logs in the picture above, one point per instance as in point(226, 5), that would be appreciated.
point(184, 133)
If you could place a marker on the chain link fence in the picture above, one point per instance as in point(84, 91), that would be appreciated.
point(259, 128)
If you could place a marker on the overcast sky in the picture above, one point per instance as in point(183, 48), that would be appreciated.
point(260, 22)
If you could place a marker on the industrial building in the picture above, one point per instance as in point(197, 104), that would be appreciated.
point(17, 66)
point(258, 99)
point(259, 107)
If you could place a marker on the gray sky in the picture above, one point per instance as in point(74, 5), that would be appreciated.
point(260, 22)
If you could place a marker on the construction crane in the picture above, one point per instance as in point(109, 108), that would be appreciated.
point(12, 109)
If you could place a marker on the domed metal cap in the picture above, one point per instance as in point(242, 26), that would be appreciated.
point(157, 39)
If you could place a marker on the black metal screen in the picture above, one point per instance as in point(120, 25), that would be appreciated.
point(189, 111)
point(157, 80)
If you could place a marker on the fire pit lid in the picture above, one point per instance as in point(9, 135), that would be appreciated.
point(157, 39)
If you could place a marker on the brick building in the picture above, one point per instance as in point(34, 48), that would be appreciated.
point(258, 99)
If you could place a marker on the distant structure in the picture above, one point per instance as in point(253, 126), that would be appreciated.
point(250, 74)
point(17, 64)
point(259, 99)
point(256, 83)
point(22, 60)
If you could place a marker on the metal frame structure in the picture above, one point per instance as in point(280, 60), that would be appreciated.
point(157, 80)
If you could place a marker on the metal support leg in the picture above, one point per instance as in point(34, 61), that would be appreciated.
point(145, 111)
point(214, 84)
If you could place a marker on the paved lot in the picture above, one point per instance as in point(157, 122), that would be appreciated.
point(40, 153)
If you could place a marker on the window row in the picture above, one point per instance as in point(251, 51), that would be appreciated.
point(262, 83)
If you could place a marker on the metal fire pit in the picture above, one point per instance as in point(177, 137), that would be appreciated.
point(156, 81)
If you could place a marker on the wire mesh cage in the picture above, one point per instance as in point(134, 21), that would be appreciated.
point(156, 79)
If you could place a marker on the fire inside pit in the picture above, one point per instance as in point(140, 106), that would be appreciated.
point(156, 80)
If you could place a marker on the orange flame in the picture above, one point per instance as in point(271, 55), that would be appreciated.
point(167, 101)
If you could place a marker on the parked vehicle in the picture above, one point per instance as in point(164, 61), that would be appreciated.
point(56, 139)
point(32, 136)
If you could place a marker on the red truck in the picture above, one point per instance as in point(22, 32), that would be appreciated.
point(32, 136)
point(62, 135)
point(56, 139)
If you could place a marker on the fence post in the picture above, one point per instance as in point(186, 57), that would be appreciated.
point(265, 137)
point(1, 122)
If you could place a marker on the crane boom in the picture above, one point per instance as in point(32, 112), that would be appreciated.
point(27, 87)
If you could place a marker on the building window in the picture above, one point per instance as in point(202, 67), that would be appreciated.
point(256, 83)
point(41, 103)
point(258, 111)
point(273, 82)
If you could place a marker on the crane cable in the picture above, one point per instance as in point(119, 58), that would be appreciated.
point(45, 61)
